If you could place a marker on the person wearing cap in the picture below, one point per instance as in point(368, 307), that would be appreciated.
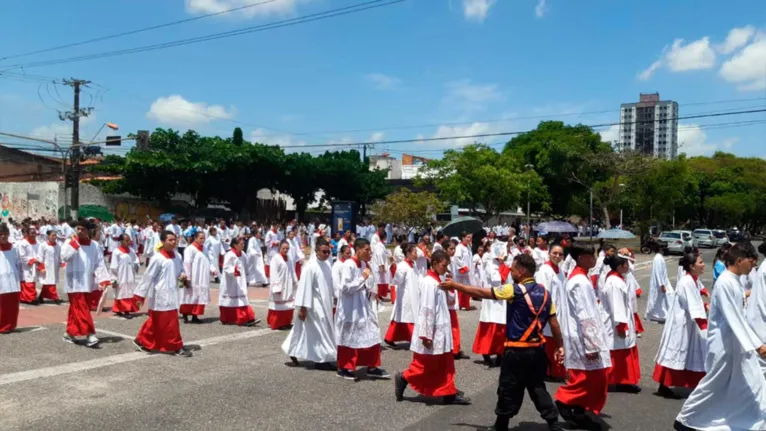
point(524, 365)
point(620, 326)
point(490, 335)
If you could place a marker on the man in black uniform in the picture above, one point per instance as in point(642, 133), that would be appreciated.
point(524, 362)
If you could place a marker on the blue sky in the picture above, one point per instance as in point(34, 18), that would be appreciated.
point(446, 65)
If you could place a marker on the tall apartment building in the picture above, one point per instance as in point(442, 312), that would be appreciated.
point(650, 126)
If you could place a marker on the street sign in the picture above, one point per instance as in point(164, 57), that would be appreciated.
point(114, 140)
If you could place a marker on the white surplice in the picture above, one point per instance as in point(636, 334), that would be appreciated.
point(313, 339)
point(337, 267)
point(28, 256)
point(554, 283)
point(85, 268)
point(159, 284)
point(493, 311)
point(406, 281)
point(124, 267)
point(732, 395)
point(756, 308)
point(379, 264)
point(282, 283)
point(256, 269)
point(462, 261)
point(433, 319)
point(213, 249)
point(682, 346)
point(421, 263)
point(10, 271)
point(583, 326)
point(615, 300)
point(356, 322)
point(541, 256)
point(272, 245)
point(197, 268)
point(478, 270)
point(50, 256)
point(658, 303)
point(233, 289)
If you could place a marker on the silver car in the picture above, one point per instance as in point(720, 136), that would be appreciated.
point(705, 238)
point(720, 236)
point(674, 240)
point(689, 239)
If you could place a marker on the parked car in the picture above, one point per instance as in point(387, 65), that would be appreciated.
point(720, 236)
point(738, 235)
point(674, 240)
point(689, 239)
point(705, 238)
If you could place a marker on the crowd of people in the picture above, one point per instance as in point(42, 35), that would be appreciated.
point(550, 310)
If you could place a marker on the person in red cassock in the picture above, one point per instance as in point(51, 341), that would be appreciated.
point(10, 284)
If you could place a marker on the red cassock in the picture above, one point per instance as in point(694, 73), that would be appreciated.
point(266, 268)
point(192, 309)
point(79, 322)
point(393, 294)
point(350, 358)
point(127, 305)
point(9, 311)
point(676, 378)
point(455, 331)
point(463, 300)
point(432, 375)
point(161, 332)
point(28, 291)
point(237, 315)
point(48, 291)
point(93, 298)
point(490, 339)
point(279, 318)
point(555, 370)
point(626, 369)
point(585, 388)
point(399, 331)
point(639, 324)
point(382, 290)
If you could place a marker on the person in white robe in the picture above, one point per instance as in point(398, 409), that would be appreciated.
point(196, 294)
point(297, 255)
point(462, 261)
point(272, 246)
point(30, 263)
point(756, 303)
point(587, 358)
point(540, 252)
point(478, 266)
point(213, 249)
point(86, 273)
point(660, 290)
point(432, 370)
point(381, 266)
point(159, 288)
point(551, 276)
point(405, 310)
point(256, 268)
point(732, 395)
point(344, 253)
point(282, 284)
point(124, 270)
point(50, 259)
point(490, 335)
point(357, 329)
point(10, 282)
point(233, 301)
point(152, 239)
point(680, 360)
point(421, 263)
point(312, 337)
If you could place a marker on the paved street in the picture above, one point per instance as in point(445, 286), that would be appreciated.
point(239, 379)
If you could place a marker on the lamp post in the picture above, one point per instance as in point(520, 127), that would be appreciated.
point(529, 167)
point(109, 125)
point(622, 187)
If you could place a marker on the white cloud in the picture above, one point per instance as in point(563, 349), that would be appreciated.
point(541, 9)
point(646, 74)
point(464, 130)
point(692, 140)
point(729, 142)
point(280, 7)
point(377, 137)
point(695, 55)
point(612, 134)
point(289, 143)
point(383, 81)
point(174, 110)
point(469, 97)
point(737, 38)
point(477, 10)
point(60, 130)
point(747, 68)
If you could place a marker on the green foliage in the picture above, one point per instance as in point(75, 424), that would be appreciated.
point(237, 138)
point(407, 208)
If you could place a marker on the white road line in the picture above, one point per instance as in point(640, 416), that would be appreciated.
point(31, 328)
point(75, 367)
point(116, 334)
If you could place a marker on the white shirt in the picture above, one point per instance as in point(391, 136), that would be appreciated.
point(10, 271)
point(356, 322)
point(159, 284)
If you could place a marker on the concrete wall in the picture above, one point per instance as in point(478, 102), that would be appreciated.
point(33, 199)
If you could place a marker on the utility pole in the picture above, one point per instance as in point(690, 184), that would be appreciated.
point(75, 115)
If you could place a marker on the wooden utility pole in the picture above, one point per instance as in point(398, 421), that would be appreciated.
point(75, 115)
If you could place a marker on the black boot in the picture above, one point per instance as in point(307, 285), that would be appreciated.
point(195, 319)
point(186, 318)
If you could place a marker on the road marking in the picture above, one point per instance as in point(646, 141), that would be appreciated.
point(30, 328)
point(75, 367)
point(116, 334)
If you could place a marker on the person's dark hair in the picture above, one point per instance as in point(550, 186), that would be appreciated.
point(735, 253)
point(85, 224)
point(401, 239)
point(343, 249)
point(196, 235)
point(749, 249)
point(236, 240)
point(579, 249)
point(360, 243)
point(722, 250)
point(382, 234)
point(124, 236)
point(381, 225)
point(521, 241)
point(4, 228)
point(438, 256)
point(615, 261)
point(526, 262)
point(439, 236)
point(407, 248)
point(165, 234)
point(687, 261)
point(320, 242)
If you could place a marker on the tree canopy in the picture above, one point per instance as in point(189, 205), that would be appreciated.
point(408, 208)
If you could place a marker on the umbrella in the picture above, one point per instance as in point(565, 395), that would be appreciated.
point(477, 238)
point(556, 227)
point(615, 234)
point(462, 224)
point(167, 217)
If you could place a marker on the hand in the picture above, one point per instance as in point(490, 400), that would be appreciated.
point(303, 313)
point(762, 351)
point(747, 293)
point(139, 304)
point(366, 273)
point(448, 284)
point(559, 356)
point(428, 344)
point(663, 289)
point(591, 356)
point(622, 334)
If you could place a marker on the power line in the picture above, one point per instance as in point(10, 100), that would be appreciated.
point(372, 4)
point(140, 30)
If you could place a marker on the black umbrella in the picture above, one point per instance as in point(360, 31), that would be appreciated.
point(462, 224)
point(477, 239)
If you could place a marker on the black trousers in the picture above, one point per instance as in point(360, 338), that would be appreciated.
point(524, 369)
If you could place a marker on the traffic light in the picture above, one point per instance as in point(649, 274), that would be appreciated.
point(142, 140)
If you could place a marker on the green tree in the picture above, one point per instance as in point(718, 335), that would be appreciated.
point(408, 208)
point(300, 180)
point(346, 177)
point(237, 138)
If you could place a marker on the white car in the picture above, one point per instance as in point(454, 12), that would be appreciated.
point(677, 240)
point(720, 236)
point(705, 238)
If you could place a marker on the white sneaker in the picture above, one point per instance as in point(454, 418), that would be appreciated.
point(68, 338)
point(92, 341)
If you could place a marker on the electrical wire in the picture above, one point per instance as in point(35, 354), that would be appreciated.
point(372, 4)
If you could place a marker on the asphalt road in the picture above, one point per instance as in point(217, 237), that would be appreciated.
point(239, 379)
